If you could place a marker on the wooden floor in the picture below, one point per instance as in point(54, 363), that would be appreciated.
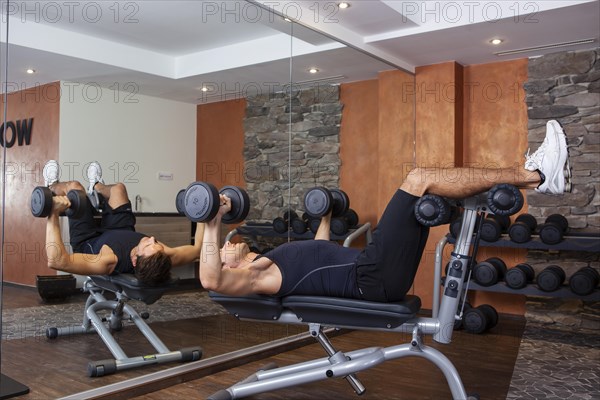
point(57, 368)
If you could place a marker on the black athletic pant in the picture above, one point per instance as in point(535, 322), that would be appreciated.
point(386, 268)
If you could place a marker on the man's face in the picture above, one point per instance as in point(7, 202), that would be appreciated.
point(233, 253)
point(148, 246)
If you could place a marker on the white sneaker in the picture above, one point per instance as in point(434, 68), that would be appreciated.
point(94, 175)
point(551, 160)
point(51, 172)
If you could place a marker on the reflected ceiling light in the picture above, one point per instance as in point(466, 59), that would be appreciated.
point(496, 41)
point(313, 70)
point(343, 5)
point(30, 71)
point(286, 19)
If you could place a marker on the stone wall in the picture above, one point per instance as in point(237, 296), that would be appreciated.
point(566, 87)
point(291, 144)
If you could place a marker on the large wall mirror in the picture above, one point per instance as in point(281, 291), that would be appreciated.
point(150, 88)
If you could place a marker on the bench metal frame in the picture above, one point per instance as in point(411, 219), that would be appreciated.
point(125, 287)
point(318, 312)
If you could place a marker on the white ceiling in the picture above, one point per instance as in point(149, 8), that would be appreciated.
point(170, 49)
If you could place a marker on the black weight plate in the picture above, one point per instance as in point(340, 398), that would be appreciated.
point(491, 315)
point(351, 217)
point(201, 202)
point(582, 284)
point(41, 201)
point(432, 210)
point(474, 321)
point(341, 202)
point(490, 230)
point(318, 202)
point(515, 278)
point(180, 202)
point(551, 234)
point(78, 203)
point(559, 220)
point(298, 226)
point(519, 232)
point(485, 273)
point(240, 204)
point(313, 224)
point(339, 226)
point(504, 199)
point(280, 225)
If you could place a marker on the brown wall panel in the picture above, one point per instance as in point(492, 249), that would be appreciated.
point(396, 132)
point(359, 147)
point(439, 137)
point(220, 143)
point(25, 236)
point(495, 118)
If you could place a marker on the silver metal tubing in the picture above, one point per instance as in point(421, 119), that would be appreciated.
point(363, 229)
point(104, 333)
point(146, 330)
point(437, 275)
point(454, 284)
point(230, 235)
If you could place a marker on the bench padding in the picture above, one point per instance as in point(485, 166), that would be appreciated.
point(331, 311)
point(131, 287)
point(351, 312)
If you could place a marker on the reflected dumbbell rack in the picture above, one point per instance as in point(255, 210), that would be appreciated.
point(254, 230)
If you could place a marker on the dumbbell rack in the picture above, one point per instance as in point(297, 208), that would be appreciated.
point(255, 229)
point(569, 243)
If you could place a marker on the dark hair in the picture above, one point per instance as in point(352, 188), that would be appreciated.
point(153, 270)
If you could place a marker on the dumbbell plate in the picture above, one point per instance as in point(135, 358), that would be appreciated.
point(41, 201)
point(78, 203)
point(180, 201)
point(504, 199)
point(318, 201)
point(201, 202)
point(341, 202)
point(240, 204)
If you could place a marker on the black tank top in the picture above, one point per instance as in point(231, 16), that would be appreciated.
point(316, 268)
point(121, 242)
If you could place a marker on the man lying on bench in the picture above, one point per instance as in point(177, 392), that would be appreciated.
point(385, 269)
point(114, 247)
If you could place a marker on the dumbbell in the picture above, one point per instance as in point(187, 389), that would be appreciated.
point(489, 272)
point(584, 281)
point(553, 229)
point(551, 278)
point(519, 276)
point(41, 202)
point(300, 225)
point(458, 322)
point(282, 224)
point(505, 199)
point(341, 225)
point(480, 319)
point(520, 231)
point(493, 226)
point(432, 210)
point(319, 201)
point(313, 224)
point(200, 202)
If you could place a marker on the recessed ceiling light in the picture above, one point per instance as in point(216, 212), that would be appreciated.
point(30, 71)
point(496, 41)
point(313, 70)
point(343, 5)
